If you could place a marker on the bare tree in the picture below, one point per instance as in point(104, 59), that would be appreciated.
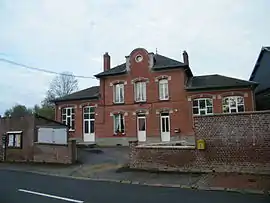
point(61, 85)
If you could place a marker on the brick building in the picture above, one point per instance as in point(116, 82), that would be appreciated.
point(151, 98)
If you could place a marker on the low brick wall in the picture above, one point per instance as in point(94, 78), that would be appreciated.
point(234, 143)
point(49, 153)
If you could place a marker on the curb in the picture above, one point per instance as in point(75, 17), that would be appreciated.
point(192, 187)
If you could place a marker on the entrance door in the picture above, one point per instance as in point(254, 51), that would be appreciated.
point(141, 128)
point(89, 124)
point(165, 127)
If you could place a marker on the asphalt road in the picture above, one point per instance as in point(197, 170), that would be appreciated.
point(17, 187)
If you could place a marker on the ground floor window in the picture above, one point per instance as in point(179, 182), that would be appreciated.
point(14, 139)
point(119, 123)
point(202, 106)
point(233, 104)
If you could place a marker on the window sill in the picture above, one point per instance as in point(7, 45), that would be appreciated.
point(71, 130)
point(138, 102)
point(161, 100)
point(118, 103)
point(119, 134)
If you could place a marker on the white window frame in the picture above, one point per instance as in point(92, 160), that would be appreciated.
point(117, 90)
point(14, 139)
point(205, 109)
point(230, 102)
point(118, 118)
point(163, 86)
point(70, 116)
point(140, 91)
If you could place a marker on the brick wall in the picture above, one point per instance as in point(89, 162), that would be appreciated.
point(234, 143)
point(49, 153)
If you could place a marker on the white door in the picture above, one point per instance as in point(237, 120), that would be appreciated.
point(141, 128)
point(165, 127)
point(89, 124)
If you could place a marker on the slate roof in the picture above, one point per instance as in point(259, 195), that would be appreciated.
point(160, 63)
point(216, 82)
point(263, 50)
point(89, 93)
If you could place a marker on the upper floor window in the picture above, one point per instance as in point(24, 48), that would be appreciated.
point(118, 94)
point(140, 91)
point(233, 104)
point(202, 106)
point(163, 89)
point(119, 123)
point(68, 117)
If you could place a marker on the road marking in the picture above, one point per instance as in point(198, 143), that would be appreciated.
point(51, 196)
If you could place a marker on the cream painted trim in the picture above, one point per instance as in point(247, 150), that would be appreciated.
point(160, 77)
point(87, 104)
point(139, 79)
point(118, 112)
point(117, 82)
point(232, 94)
point(203, 96)
point(67, 106)
point(14, 132)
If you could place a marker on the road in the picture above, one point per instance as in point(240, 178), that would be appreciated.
point(17, 187)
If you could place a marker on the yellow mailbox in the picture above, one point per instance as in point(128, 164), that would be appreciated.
point(200, 144)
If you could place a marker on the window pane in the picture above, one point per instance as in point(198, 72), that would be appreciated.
point(68, 121)
point(233, 110)
point(226, 109)
point(86, 127)
point(64, 110)
point(202, 104)
point(116, 123)
point(210, 110)
point(86, 116)
point(73, 116)
point(232, 102)
point(122, 123)
point(72, 110)
point(225, 101)
point(209, 102)
point(241, 108)
point(73, 125)
point(167, 124)
point(164, 114)
point(195, 110)
point(141, 123)
point(68, 111)
point(92, 109)
point(240, 100)
point(17, 140)
point(86, 110)
point(10, 140)
point(92, 116)
point(195, 102)
point(163, 124)
point(92, 126)
point(64, 118)
point(202, 112)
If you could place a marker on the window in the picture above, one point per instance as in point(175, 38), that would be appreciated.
point(119, 123)
point(14, 139)
point(118, 93)
point(68, 117)
point(202, 106)
point(89, 119)
point(233, 104)
point(163, 89)
point(140, 91)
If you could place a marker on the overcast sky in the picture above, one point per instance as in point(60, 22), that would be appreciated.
point(220, 36)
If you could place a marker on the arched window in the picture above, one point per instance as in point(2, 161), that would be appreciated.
point(202, 106)
point(163, 89)
point(233, 104)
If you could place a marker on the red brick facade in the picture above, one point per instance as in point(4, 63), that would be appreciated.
point(178, 106)
point(234, 143)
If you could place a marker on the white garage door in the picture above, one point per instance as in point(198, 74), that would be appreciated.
point(52, 135)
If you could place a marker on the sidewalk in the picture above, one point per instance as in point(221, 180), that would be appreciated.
point(258, 184)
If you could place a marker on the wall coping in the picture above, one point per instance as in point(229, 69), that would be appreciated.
point(164, 147)
point(234, 114)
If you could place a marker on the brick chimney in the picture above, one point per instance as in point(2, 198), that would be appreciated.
point(106, 61)
point(185, 58)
